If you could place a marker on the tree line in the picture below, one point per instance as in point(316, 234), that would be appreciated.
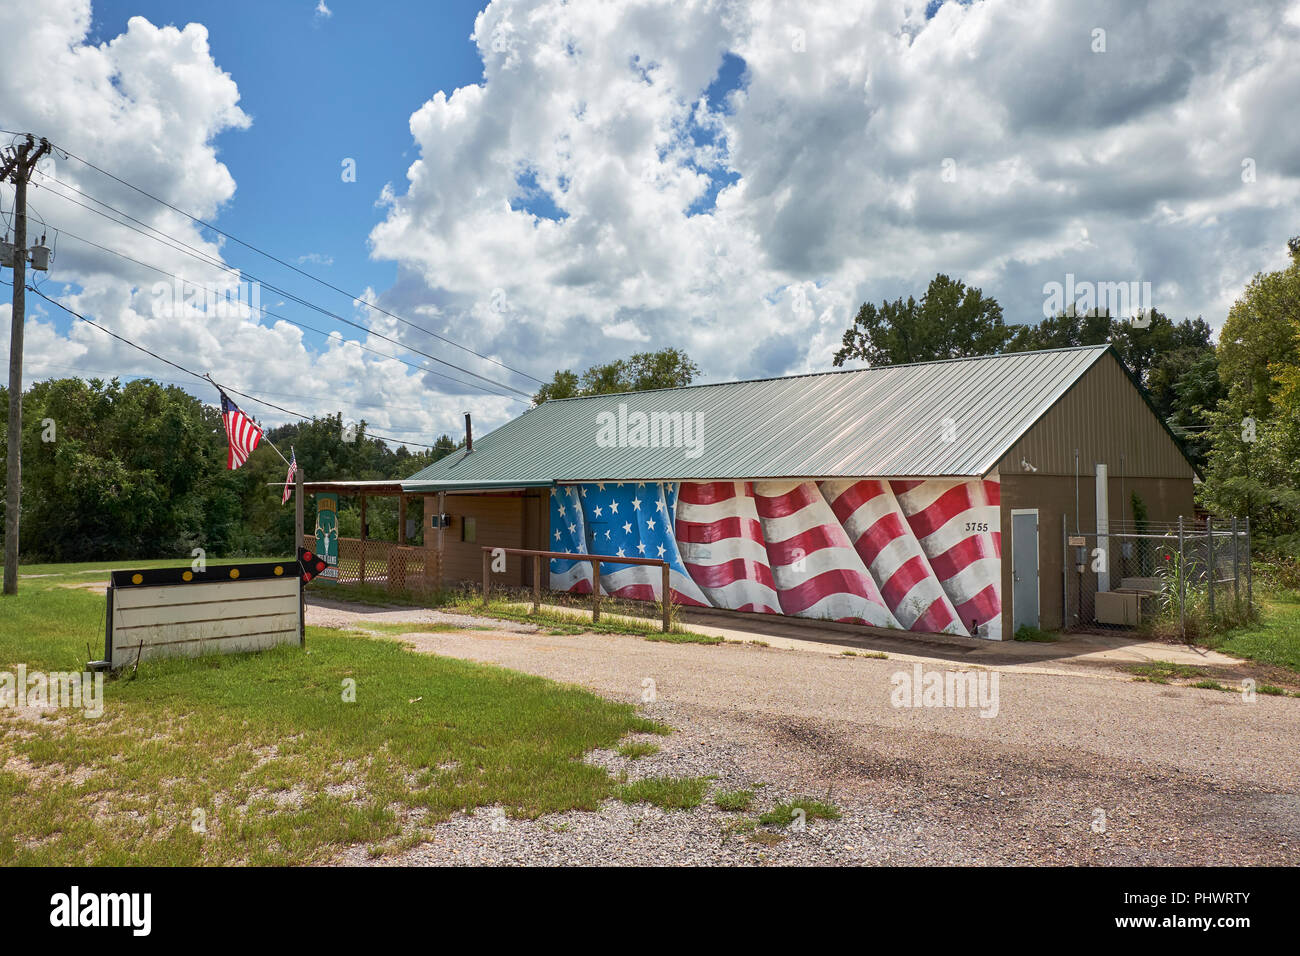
point(137, 469)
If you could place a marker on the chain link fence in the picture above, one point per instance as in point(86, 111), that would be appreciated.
point(1126, 574)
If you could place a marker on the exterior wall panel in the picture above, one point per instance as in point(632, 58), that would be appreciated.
point(503, 520)
point(1054, 496)
point(1107, 420)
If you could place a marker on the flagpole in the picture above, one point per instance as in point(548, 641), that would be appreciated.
point(297, 508)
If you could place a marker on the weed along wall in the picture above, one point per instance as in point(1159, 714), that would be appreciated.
point(915, 555)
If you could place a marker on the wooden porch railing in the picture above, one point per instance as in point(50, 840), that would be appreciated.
point(596, 561)
point(394, 566)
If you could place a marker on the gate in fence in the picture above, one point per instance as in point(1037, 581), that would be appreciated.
point(1119, 576)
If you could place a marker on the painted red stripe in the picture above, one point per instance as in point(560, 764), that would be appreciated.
point(880, 534)
point(781, 506)
point(983, 607)
point(838, 581)
point(706, 492)
point(701, 532)
point(904, 579)
point(993, 492)
point(935, 619)
point(737, 569)
point(902, 486)
point(646, 592)
point(947, 506)
point(854, 497)
point(962, 554)
point(781, 553)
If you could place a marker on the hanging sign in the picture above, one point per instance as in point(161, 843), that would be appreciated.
point(327, 534)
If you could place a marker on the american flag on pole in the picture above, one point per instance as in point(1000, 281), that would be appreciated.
point(242, 433)
point(288, 479)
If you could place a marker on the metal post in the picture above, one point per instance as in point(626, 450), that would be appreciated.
point(1236, 569)
point(1209, 534)
point(1182, 581)
point(298, 507)
point(1065, 573)
point(487, 570)
point(297, 546)
point(1250, 598)
point(595, 592)
point(537, 583)
point(667, 599)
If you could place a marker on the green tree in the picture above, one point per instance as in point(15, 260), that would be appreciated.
point(666, 368)
point(138, 470)
point(113, 470)
point(951, 320)
point(1254, 454)
point(1061, 330)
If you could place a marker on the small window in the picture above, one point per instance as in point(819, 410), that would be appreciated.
point(468, 529)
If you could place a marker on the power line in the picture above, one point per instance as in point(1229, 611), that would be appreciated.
point(301, 272)
point(205, 378)
point(302, 325)
point(186, 249)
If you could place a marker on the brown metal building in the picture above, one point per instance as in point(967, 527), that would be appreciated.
point(930, 491)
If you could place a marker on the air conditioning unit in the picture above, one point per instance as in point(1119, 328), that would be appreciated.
point(1118, 608)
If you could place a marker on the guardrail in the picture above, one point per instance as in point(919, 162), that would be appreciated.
point(596, 561)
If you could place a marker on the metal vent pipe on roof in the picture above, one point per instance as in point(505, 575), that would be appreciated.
point(469, 434)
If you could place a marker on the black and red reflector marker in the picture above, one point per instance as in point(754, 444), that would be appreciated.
point(311, 564)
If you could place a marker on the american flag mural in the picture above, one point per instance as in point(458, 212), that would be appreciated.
point(879, 531)
point(917, 555)
point(569, 535)
point(957, 526)
point(721, 540)
point(816, 570)
point(634, 520)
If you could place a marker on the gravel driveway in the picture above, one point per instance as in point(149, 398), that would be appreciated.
point(1182, 775)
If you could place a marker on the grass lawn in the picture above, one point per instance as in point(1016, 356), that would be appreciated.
point(1274, 640)
point(258, 758)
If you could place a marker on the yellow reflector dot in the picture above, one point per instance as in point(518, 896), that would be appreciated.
point(279, 569)
point(234, 572)
point(188, 576)
point(137, 578)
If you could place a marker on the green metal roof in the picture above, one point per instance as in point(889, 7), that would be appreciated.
point(886, 422)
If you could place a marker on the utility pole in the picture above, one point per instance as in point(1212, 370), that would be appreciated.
point(18, 167)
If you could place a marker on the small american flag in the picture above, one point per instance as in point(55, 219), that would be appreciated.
point(288, 479)
point(241, 432)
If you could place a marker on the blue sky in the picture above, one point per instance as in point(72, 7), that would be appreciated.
point(556, 183)
point(318, 90)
